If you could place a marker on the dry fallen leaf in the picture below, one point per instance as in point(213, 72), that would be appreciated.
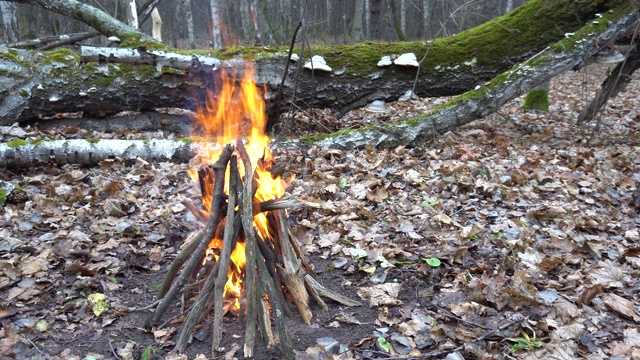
point(383, 294)
point(621, 306)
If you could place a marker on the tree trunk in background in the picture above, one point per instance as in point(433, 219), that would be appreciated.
point(328, 6)
point(403, 16)
point(264, 19)
point(9, 21)
point(245, 18)
point(396, 21)
point(284, 25)
point(367, 19)
point(130, 13)
point(509, 6)
point(216, 34)
point(186, 9)
point(426, 17)
point(253, 12)
point(356, 24)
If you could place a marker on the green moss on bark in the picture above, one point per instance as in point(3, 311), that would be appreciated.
point(17, 143)
point(537, 99)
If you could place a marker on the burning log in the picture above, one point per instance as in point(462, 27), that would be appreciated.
point(246, 250)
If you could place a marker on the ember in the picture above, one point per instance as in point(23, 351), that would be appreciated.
point(246, 223)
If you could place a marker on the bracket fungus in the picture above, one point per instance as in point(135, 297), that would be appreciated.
point(385, 61)
point(294, 57)
point(378, 107)
point(407, 59)
point(317, 62)
point(408, 95)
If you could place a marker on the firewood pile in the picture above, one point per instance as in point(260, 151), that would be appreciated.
point(276, 273)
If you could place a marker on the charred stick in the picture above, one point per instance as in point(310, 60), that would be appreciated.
point(228, 243)
point(219, 169)
point(258, 207)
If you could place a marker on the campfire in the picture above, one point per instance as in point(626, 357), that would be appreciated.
point(244, 259)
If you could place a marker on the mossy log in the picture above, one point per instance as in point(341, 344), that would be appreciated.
point(571, 53)
point(36, 85)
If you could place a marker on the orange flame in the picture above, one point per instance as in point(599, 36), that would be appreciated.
point(230, 114)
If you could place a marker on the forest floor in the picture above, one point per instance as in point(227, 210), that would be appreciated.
point(514, 236)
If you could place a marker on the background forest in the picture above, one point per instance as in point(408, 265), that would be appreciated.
point(189, 24)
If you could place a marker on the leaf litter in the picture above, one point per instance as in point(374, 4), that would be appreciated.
point(535, 233)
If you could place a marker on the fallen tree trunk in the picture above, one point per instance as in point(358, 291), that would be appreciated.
point(20, 153)
point(37, 85)
point(572, 53)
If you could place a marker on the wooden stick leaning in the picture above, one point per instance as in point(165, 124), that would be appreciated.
point(228, 243)
point(219, 168)
point(258, 261)
point(249, 238)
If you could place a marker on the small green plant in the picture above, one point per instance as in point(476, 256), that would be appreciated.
point(345, 240)
point(342, 183)
point(146, 355)
point(401, 263)
point(390, 200)
point(433, 262)
point(384, 344)
point(156, 286)
point(498, 235)
point(429, 202)
point(331, 267)
point(525, 342)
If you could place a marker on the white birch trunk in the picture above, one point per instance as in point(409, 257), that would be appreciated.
point(131, 12)
point(216, 38)
point(156, 27)
point(80, 151)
